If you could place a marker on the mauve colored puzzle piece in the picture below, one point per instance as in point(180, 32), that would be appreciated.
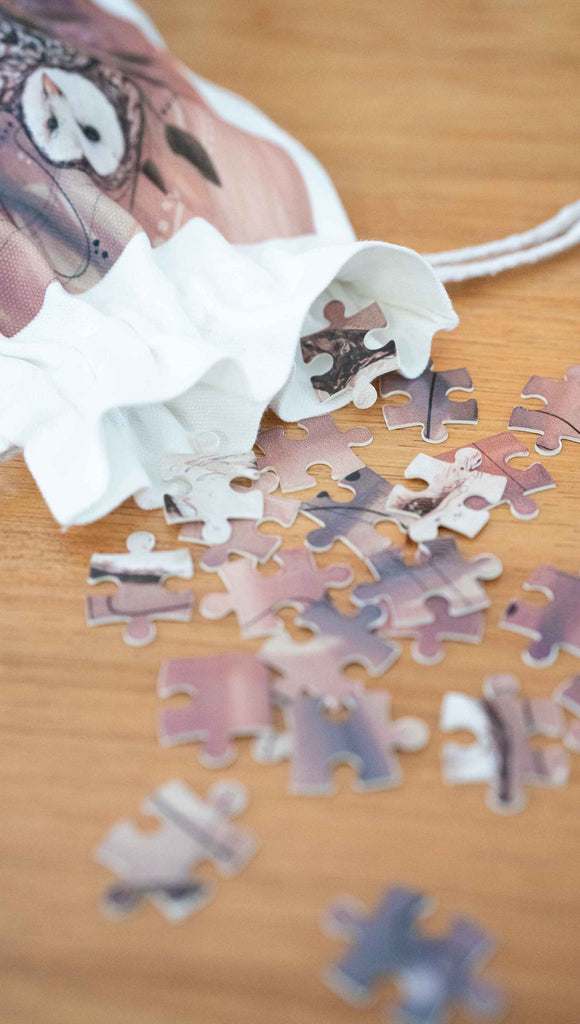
point(201, 491)
point(429, 407)
point(246, 538)
point(560, 420)
point(496, 454)
point(256, 598)
point(354, 363)
point(427, 648)
point(551, 626)
point(352, 521)
point(230, 697)
point(568, 695)
point(442, 503)
point(158, 865)
point(440, 569)
point(435, 972)
point(140, 573)
point(366, 738)
point(503, 723)
point(323, 443)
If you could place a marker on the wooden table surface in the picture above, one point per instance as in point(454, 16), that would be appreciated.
point(442, 125)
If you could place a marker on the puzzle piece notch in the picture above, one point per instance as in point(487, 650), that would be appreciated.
point(442, 502)
point(435, 972)
point(230, 698)
point(503, 723)
point(427, 648)
point(158, 865)
point(497, 452)
point(551, 626)
point(560, 420)
point(141, 597)
point(429, 406)
point(352, 521)
point(246, 539)
point(256, 598)
point(202, 492)
point(324, 443)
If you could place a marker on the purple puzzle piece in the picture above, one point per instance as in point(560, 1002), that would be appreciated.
point(552, 626)
point(352, 521)
point(230, 697)
point(429, 406)
point(568, 695)
point(560, 420)
point(436, 972)
point(323, 444)
point(427, 647)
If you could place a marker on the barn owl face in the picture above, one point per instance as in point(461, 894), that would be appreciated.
point(69, 119)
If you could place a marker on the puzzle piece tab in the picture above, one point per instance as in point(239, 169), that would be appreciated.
point(158, 865)
point(323, 444)
point(551, 626)
point(503, 723)
point(354, 362)
point(442, 503)
point(429, 407)
point(140, 574)
point(352, 521)
point(560, 420)
point(230, 697)
point(427, 648)
point(256, 598)
point(435, 972)
point(201, 492)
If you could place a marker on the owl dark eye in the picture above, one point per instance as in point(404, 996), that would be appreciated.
point(91, 133)
point(52, 123)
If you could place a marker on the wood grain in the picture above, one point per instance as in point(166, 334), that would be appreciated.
point(442, 125)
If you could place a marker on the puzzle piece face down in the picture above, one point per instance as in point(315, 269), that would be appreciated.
point(440, 569)
point(496, 453)
point(367, 739)
point(246, 538)
point(141, 597)
point(442, 503)
point(158, 865)
point(352, 521)
point(230, 697)
point(429, 406)
point(427, 648)
point(354, 362)
point(202, 492)
point(551, 626)
point(324, 444)
point(560, 420)
point(435, 972)
point(256, 598)
point(503, 723)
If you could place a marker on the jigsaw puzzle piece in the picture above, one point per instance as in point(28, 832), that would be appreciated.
point(141, 597)
point(551, 626)
point(323, 443)
point(560, 420)
point(202, 492)
point(356, 359)
point(429, 406)
point(256, 598)
point(427, 648)
point(442, 503)
point(503, 723)
point(246, 538)
point(230, 697)
point(354, 521)
point(158, 865)
point(568, 695)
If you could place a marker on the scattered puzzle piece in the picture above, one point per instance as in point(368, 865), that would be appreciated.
point(158, 865)
point(141, 597)
point(440, 569)
point(256, 598)
point(246, 538)
point(323, 444)
point(202, 492)
point(551, 626)
point(496, 454)
point(429, 407)
point(427, 647)
point(230, 697)
point(435, 972)
point(560, 420)
point(442, 503)
point(352, 521)
point(366, 738)
point(503, 723)
point(568, 695)
point(354, 362)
